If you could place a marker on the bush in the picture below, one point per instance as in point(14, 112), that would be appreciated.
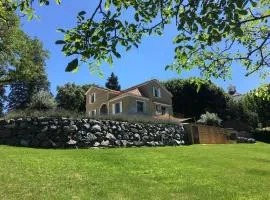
point(43, 113)
point(211, 119)
point(42, 100)
point(262, 134)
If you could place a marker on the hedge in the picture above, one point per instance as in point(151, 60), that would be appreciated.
point(262, 135)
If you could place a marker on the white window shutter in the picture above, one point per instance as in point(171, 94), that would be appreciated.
point(90, 98)
point(120, 106)
point(153, 91)
point(113, 109)
point(159, 92)
point(94, 97)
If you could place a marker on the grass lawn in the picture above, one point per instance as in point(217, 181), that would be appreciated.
point(235, 171)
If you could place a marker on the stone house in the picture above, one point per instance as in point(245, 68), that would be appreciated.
point(148, 99)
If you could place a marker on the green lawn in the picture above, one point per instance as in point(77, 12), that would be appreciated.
point(235, 171)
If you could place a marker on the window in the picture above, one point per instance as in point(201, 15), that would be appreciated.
point(92, 113)
point(140, 106)
point(117, 108)
point(158, 108)
point(92, 98)
point(156, 92)
point(161, 109)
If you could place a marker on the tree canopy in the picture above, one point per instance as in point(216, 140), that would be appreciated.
point(211, 34)
point(190, 102)
point(21, 57)
point(72, 97)
point(112, 83)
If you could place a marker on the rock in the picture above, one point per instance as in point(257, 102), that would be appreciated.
point(99, 134)
point(124, 143)
point(97, 144)
point(86, 126)
point(41, 136)
point(105, 143)
point(137, 143)
point(96, 128)
point(145, 138)
point(117, 143)
point(134, 130)
point(90, 137)
point(177, 142)
point(151, 144)
point(24, 143)
point(177, 136)
point(137, 137)
point(125, 136)
point(44, 129)
point(71, 142)
point(110, 136)
point(53, 127)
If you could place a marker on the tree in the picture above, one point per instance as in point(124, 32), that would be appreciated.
point(2, 99)
point(42, 100)
point(210, 33)
point(72, 96)
point(191, 102)
point(258, 104)
point(20, 55)
point(112, 83)
point(22, 90)
point(232, 89)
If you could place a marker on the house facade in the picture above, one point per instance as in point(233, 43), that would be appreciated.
point(149, 98)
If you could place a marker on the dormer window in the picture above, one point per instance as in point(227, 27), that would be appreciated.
point(92, 98)
point(156, 92)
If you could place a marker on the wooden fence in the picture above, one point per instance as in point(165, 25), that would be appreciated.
point(203, 134)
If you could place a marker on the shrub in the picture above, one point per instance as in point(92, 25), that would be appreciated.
point(42, 100)
point(262, 134)
point(211, 119)
point(43, 113)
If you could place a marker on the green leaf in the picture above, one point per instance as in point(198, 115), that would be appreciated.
point(117, 55)
point(58, 2)
point(110, 60)
point(73, 65)
point(60, 42)
point(107, 4)
point(82, 13)
point(184, 58)
point(60, 30)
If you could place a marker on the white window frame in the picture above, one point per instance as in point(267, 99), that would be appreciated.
point(158, 92)
point(143, 106)
point(90, 98)
point(91, 113)
point(114, 108)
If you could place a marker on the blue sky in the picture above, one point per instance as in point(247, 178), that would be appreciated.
point(135, 66)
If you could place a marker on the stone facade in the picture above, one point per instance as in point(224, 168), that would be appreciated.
point(82, 133)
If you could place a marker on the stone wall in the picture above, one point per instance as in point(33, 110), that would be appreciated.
point(78, 133)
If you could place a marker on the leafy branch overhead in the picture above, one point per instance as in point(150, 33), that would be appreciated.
point(211, 35)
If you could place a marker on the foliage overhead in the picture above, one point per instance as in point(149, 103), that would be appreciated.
point(211, 34)
point(112, 83)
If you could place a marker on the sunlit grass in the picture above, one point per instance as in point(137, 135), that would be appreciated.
point(235, 171)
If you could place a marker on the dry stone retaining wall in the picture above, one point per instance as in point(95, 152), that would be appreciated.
point(69, 133)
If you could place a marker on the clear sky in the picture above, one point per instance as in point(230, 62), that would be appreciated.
point(135, 66)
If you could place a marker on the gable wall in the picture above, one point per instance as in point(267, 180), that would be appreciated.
point(101, 97)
